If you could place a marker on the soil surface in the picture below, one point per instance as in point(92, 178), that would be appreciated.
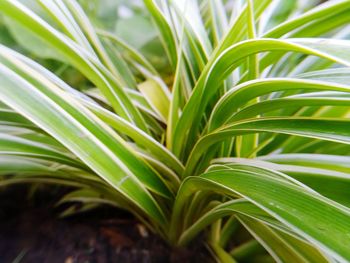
point(32, 232)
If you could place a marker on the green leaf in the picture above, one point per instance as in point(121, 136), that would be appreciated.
point(165, 31)
point(243, 93)
point(66, 126)
point(88, 65)
point(31, 42)
point(157, 95)
point(329, 10)
point(282, 247)
point(319, 220)
point(230, 59)
point(13, 145)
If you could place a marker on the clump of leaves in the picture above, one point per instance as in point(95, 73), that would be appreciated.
point(245, 126)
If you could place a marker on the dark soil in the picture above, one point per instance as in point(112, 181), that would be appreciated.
point(32, 232)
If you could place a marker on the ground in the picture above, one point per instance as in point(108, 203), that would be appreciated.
point(32, 232)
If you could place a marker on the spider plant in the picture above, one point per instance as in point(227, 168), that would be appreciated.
point(237, 124)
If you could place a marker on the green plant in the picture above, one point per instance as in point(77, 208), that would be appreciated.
point(246, 125)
